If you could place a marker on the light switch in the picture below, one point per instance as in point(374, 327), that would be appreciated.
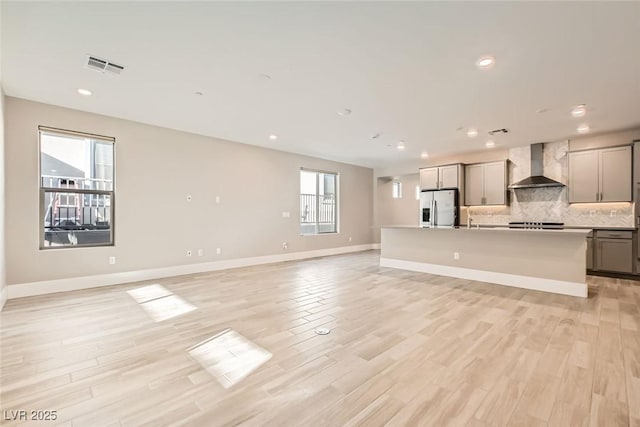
point(217, 199)
point(286, 214)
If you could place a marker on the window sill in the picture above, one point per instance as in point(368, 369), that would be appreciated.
point(320, 234)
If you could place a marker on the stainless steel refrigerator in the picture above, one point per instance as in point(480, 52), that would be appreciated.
point(439, 208)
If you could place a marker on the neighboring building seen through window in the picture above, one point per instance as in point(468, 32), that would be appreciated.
point(318, 202)
point(76, 189)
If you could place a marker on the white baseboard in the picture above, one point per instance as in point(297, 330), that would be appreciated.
point(575, 289)
point(75, 283)
point(4, 294)
point(375, 246)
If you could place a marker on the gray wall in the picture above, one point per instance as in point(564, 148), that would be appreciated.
point(609, 139)
point(410, 167)
point(402, 211)
point(156, 169)
point(3, 276)
point(3, 281)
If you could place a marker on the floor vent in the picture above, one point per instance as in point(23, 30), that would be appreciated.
point(103, 66)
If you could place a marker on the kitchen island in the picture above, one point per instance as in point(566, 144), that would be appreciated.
point(542, 260)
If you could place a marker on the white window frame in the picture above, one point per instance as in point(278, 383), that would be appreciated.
point(396, 190)
point(44, 189)
point(336, 218)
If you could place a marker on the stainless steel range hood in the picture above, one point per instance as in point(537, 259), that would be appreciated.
point(536, 180)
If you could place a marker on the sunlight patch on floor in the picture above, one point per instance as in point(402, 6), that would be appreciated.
point(160, 303)
point(229, 357)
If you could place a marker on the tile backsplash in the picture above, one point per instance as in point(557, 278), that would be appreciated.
point(551, 203)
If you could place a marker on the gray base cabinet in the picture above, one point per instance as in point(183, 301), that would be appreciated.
point(612, 251)
point(589, 253)
point(615, 255)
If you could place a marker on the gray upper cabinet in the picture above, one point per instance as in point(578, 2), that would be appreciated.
point(495, 183)
point(583, 176)
point(615, 174)
point(602, 175)
point(474, 184)
point(429, 179)
point(440, 177)
point(449, 176)
point(486, 184)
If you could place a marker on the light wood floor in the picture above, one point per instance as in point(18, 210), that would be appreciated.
point(405, 349)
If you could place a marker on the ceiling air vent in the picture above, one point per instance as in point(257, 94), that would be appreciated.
point(97, 64)
point(496, 131)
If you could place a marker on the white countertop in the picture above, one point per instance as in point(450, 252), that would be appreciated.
point(570, 231)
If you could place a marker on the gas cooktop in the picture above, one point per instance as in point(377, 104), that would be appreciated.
point(537, 225)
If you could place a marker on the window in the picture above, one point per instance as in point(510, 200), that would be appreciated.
point(76, 189)
point(318, 202)
point(397, 190)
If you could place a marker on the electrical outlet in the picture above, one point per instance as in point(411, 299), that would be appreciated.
point(613, 213)
point(217, 199)
point(286, 214)
point(456, 255)
point(285, 245)
point(218, 251)
point(592, 213)
point(112, 260)
point(189, 197)
point(189, 252)
point(350, 239)
point(200, 252)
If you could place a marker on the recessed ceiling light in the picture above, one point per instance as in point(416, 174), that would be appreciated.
point(264, 76)
point(273, 137)
point(199, 93)
point(583, 128)
point(400, 146)
point(472, 132)
point(542, 110)
point(579, 110)
point(424, 155)
point(485, 62)
point(376, 135)
point(344, 112)
point(85, 92)
point(489, 144)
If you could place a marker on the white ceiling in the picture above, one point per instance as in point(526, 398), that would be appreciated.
point(404, 69)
